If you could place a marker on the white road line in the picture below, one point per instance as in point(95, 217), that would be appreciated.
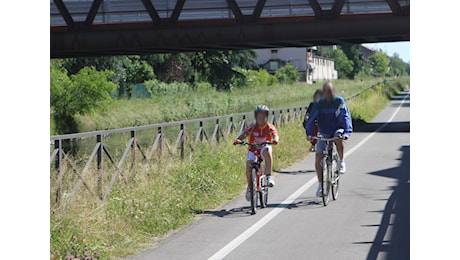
point(223, 252)
point(262, 222)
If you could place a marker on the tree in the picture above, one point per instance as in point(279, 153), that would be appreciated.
point(360, 66)
point(397, 66)
point(128, 69)
point(59, 83)
point(343, 65)
point(218, 67)
point(138, 70)
point(171, 67)
point(379, 62)
point(117, 64)
point(81, 93)
point(287, 74)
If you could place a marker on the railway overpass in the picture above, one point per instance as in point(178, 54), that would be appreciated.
point(113, 27)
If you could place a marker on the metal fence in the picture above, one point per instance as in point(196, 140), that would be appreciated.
point(115, 154)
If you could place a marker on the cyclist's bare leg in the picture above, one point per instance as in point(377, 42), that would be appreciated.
point(267, 154)
point(339, 145)
point(319, 170)
point(248, 171)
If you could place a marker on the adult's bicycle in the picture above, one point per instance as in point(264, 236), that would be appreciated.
point(258, 185)
point(329, 164)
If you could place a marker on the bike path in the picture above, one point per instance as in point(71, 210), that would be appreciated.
point(370, 220)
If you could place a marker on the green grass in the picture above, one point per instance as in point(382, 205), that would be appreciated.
point(372, 101)
point(205, 102)
point(157, 201)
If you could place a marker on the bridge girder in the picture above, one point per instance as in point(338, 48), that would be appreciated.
point(243, 31)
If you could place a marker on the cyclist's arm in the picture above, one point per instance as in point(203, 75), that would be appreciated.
point(274, 134)
point(276, 139)
point(242, 136)
point(246, 132)
point(345, 119)
point(307, 113)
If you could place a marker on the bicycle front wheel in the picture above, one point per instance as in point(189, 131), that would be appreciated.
point(253, 188)
point(325, 184)
point(335, 177)
point(263, 194)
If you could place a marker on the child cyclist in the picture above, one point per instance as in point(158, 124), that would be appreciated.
point(258, 133)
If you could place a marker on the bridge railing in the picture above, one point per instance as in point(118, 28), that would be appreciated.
point(117, 154)
point(126, 11)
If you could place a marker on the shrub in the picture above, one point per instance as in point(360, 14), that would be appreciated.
point(81, 93)
point(270, 79)
point(256, 78)
point(157, 88)
point(288, 74)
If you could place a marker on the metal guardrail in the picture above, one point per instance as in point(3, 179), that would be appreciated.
point(190, 133)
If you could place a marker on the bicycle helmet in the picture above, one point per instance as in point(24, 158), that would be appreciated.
point(261, 108)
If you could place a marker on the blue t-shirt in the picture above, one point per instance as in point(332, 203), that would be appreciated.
point(331, 116)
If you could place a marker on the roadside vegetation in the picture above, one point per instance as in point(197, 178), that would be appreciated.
point(94, 93)
point(159, 201)
point(185, 103)
point(370, 102)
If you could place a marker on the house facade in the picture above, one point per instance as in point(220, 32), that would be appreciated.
point(320, 69)
point(312, 68)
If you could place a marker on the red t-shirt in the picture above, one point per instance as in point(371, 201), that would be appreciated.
point(260, 134)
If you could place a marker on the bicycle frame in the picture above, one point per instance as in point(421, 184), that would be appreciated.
point(330, 143)
point(259, 181)
point(331, 174)
point(257, 165)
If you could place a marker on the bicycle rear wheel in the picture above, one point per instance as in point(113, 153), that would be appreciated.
point(253, 189)
point(326, 182)
point(263, 194)
point(335, 177)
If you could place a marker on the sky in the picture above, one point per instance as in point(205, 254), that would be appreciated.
point(402, 48)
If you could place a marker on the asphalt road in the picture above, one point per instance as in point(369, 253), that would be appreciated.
point(370, 220)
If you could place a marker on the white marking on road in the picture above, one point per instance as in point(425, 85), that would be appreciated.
point(262, 222)
point(223, 252)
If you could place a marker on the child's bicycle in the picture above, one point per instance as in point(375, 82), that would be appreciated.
point(259, 184)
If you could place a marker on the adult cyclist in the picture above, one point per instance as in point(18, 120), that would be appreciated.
point(259, 132)
point(333, 119)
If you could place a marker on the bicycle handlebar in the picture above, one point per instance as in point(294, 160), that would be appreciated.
point(320, 138)
point(256, 145)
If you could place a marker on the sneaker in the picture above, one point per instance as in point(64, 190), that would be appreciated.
point(319, 191)
point(248, 194)
point(342, 168)
point(312, 148)
point(270, 181)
